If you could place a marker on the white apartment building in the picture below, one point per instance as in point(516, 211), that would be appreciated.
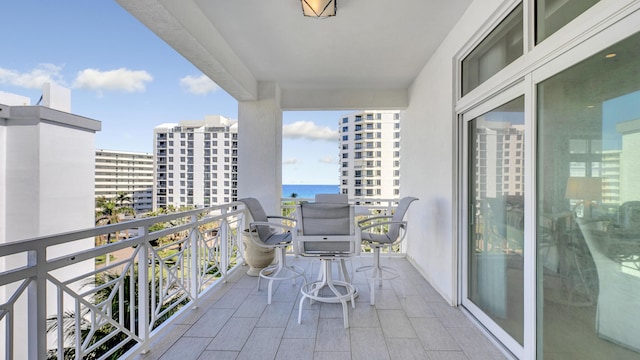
point(370, 154)
point(46, 187)
point(125, 172)
point(499, 157)
point(195, 162)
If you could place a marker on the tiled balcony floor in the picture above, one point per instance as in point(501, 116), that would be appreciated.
point(235, 322)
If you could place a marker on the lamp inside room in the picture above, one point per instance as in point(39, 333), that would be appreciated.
point(319, 8)
point(585, 189)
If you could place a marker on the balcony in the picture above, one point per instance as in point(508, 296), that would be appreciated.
point(204, 305)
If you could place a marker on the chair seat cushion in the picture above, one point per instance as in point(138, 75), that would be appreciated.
point(376, 238)
point(276, 239)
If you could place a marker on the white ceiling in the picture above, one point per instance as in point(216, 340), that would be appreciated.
point(371, 45)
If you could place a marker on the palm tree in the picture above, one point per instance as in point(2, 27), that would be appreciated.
point(123, 198)
point(108, 211)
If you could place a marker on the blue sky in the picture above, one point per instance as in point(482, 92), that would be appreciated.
point(122, 74)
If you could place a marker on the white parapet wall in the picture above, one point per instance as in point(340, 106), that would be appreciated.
point(46, 185)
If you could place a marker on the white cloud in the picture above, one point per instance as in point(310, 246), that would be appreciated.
point(116, 80)
point(290, 161)
point(328, 160)
point(200, 85)
point(308, 130)
point(33, 79)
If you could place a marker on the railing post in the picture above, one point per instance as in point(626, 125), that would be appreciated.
point(224, 245)
point(37, 304)
point(239, 233)
point(143, 289)
point(194, 256)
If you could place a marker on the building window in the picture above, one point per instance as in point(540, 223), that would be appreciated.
point(499, 49)
point(551, 15)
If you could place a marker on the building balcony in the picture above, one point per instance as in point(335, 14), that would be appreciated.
point(204, 305)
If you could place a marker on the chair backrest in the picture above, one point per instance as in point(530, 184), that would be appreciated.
point(325, 229)
point(332, 198)
point(629, 216)
point(394, 229)
point(258, 214)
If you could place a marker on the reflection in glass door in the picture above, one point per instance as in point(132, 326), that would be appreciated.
point(495, 249)
point(588, 203)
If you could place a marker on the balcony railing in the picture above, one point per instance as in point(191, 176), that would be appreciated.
point(107, 291)
point(101, 298)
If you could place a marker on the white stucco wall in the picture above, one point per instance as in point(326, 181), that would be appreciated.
point(3, 195)
point(260, 148)
point(47, 166)
point(49, 178)
point(428, 161)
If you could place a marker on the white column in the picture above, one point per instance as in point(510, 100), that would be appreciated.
point(260, 148)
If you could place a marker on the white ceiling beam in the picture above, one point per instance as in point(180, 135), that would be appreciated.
point(183, 26)
point(344, 99)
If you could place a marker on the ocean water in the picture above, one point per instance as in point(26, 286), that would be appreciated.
point(309, 191)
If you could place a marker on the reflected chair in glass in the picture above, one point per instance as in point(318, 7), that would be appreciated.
point(327, 231)
point(379, 232)
point(265, 232)
point(618, 308)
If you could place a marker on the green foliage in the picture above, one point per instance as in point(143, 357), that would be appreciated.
point(109, 211)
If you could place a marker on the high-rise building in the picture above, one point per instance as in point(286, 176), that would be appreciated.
point(370, 154)
point(125, 172)
point(195, 162)
point(499, 156)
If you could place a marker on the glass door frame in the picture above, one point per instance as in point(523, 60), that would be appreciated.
point(576, 42)
point(522, 87)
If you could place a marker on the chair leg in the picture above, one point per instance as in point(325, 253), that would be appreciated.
point(376, 273)
point(280, 271)
point(325, 278)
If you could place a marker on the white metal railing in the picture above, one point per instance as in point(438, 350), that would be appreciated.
point(103, 301)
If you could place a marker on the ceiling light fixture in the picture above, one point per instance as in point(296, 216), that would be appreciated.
point(319, 8)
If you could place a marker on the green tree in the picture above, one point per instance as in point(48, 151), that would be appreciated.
point(109, 211)
point(123, 199)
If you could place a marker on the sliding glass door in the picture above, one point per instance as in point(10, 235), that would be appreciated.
point(588, 201)
point(495, 229)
